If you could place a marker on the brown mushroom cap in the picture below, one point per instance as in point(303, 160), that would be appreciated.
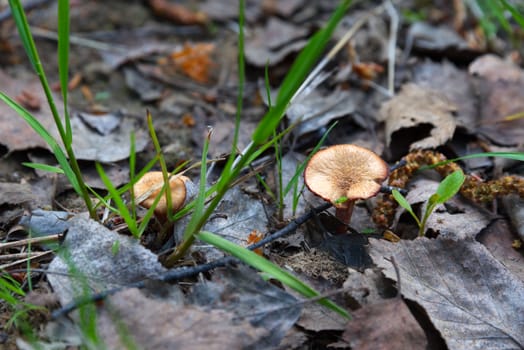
point(150, 185)
point(345, 171)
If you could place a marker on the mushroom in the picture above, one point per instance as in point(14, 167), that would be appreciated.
point(149, 186)
point(341, 174)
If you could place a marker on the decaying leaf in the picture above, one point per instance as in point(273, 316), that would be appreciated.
point(500, 86)
point(471, 298)
point(387, 325)
point(314, 110)
point(89, 245)
point(455, 84)
point(177, 13)
point(194, 60)
point(514, 205)
point(156, 324)
point(498, 238)
point(316, 318)
point(426, 38)
point(269, 45)
point(88, 144)
point(367, 287)
point(417, 118)
point(244, 294)
point(15, 193)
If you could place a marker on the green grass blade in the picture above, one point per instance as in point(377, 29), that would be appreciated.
point(23, 29)
point(228, 167)
point(63, 62)
point(296, 75)
point(46, 136)
point(517, 16)
point(402, 201)
point(241, 77)
point(200, 201)
point(44, 167)
point(509, 155)
point(162, 161)
point(268, 267)
point(132, 169)
point(122, 208)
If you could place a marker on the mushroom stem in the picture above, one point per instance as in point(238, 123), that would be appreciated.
point(343, 214)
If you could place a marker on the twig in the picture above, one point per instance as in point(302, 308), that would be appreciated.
point(76, 40)
point(32, 241)
point(19, 255)
point(184, 272)
point(32, 257)
point(392, 44)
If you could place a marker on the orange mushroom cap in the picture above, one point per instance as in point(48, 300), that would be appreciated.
point(150, 185)
point(348, 171)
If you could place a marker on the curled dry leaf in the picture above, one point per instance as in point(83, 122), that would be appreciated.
point(416, 112)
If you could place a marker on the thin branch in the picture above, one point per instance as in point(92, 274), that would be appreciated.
point(32, 241)
point(392, 45)
point(32, 257)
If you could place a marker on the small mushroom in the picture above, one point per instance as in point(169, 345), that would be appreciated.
point(149, 186)
point(341, 174)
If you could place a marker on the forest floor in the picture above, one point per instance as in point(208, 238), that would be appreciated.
point(414, 84)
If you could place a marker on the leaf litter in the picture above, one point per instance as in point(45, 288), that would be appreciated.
point(468, 280)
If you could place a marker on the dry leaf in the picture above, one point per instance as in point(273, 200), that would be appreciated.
point(14, 193)
point(89, 245)
point(453, 83)
point(155, 324)
point(387, 325)
point(274, 42)
point(498, 238)
point(177, 13)
point(472, 299)
point(439, 40)
point(500, 87)
point(194, 60)
point(88, 144)
point(243, 293)
point(417, 118)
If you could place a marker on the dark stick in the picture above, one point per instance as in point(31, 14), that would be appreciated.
point(184, 272)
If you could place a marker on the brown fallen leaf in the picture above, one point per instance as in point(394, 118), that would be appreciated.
point(500, 90)
point(156, 324)
point(387, 325)
point(177, 13)
point(498, 238)
point(470, 297)
point(194, 60)
point(455, 84)
point(417, 118)
point(29, 100)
